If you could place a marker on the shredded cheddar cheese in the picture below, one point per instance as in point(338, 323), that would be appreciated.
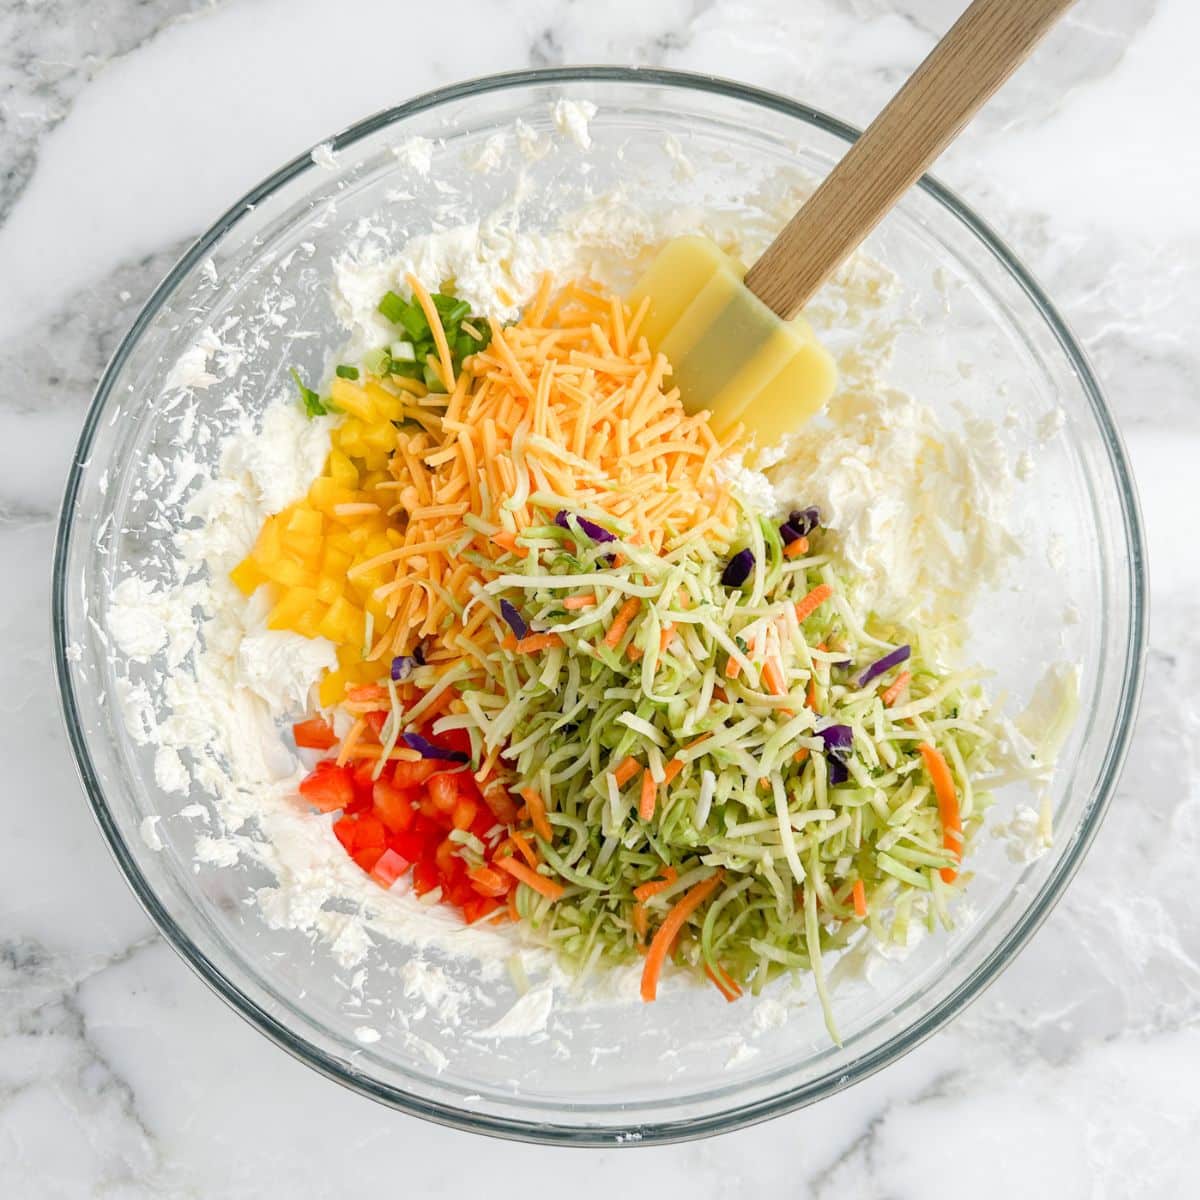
point(568, 405)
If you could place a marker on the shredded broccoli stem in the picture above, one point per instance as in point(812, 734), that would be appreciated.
point(796, 823)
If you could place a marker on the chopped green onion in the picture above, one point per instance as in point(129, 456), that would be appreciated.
point(377, 362)
point(313, 404)
point(345, 372)
point(393, 307)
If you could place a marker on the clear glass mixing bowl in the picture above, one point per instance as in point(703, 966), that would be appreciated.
point(977, 330)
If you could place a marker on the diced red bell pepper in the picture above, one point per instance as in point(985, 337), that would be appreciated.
point(371, 833)
point(413, 774)
point(453, 739)
point(484, 822)
point(443, 791)
point(389, 867)
point(393, 806)
point(376, 721)
point(478, 908)
point(364, 784)
point(445, 857)
point(345, 829)
point(465, 812)
point(425, 877)
point(368, 857)
point(433, 815)
point(314, 734)
point(430, 822)
point(327, 787)
point(408, 845)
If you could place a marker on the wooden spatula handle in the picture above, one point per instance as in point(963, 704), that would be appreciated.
point(983, 48)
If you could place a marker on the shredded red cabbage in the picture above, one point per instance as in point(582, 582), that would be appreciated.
point(516, 622)
point(403, 664)
point(839, 741)
point(804, 521)
point(738, 568)
point(886, 663)
point(596, 532)
point(426, 749)
point(837, 738)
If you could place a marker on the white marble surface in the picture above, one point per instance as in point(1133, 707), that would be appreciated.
point(125, 127)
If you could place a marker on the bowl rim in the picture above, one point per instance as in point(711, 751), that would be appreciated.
point(737, 1116)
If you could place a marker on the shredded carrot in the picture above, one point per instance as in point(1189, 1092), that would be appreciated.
point(724, 983)
point(696, 742)
point(947, 798)
point(367, 691)
point(490, 882)
point(574, 603)
point(809, 605)
point(508, 541)
point(525, 850)
point(644, 891)
point(626, 613)
point(513, 913)
point(529, 877)
point(649, 792)
point(538, 641)
point(772, 675)
point(859, 892)
point(796, 549)
point(666, 637)
point(641, 922)
point(634, 652)
point(891, 694)
point(668, 931)
point(626, 771)
point(671, 770)
point(733, 669)
point(800, 754)
point(537, 813)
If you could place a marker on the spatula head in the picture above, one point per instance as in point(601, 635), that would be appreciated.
point(729, 352)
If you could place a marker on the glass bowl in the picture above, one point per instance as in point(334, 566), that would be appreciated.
point(973, 334)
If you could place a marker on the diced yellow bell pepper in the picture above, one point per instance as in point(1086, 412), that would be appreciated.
point(329, 589)
point(343, 624)
point(341, 470)
point(353, 398)
point(267, 549)
point(388, 405)
point(289, 573)
point(291, 608)
point(325, 493)
point(246, 576)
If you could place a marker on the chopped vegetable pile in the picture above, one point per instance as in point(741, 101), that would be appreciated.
point(582, 687)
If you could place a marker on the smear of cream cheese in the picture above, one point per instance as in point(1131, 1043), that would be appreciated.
point(918, 510)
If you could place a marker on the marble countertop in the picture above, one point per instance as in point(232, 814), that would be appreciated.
point(125, 127)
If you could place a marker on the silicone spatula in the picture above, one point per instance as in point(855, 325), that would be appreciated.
point(733, 338)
